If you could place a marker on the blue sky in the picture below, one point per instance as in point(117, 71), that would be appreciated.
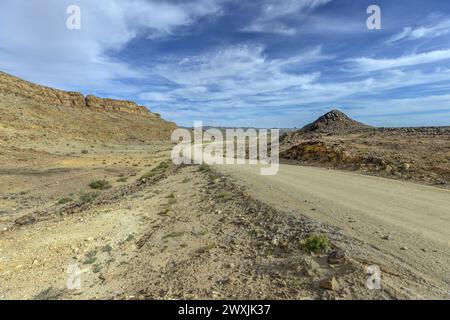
point(260, 63)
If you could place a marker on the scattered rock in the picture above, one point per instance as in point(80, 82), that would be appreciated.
point(330, 284)
point(336, 257)
point(386, 237)
point(404, 248)
point(388, 169)
point(308, 266)
point(223, 281)
point(406, 166)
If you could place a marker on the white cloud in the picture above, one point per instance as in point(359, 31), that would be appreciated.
point(34, 39)
point(229, 83)
point(370, 64)
point(232, 74)
point(272, 11)
point(430, 31)
point(271, 91)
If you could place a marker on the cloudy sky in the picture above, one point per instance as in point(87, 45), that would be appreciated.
point(259, 63)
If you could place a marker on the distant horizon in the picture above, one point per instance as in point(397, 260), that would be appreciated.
point(274, 127)
point(236, 63)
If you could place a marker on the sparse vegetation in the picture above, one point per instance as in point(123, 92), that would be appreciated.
point(90, 257)
point(64, 200)
point(204, 168)
point(100, 185)
point(160, 169)
point(89, 197)
point(205, 248)
point(49, 294)
point(107, 249)
point(97, 268)
point(224, 195)
point(174, 234)
point(172, 198)
point(316, 243)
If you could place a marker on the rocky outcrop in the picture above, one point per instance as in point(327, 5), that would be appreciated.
point(321, 152)
point(10, 85)
point(112, 105)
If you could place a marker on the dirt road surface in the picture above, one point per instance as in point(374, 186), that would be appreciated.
point(403, 227)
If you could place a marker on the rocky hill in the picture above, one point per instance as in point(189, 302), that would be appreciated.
point(334, 121)
point(30, 114)
point(336, 141)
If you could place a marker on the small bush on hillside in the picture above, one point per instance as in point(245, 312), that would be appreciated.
point(100, 185)
point(225, 195)
point(89, 197)
point(107, 249)
point(64, 200)
point(90, 257)
point(316, 243)
point(160, 169)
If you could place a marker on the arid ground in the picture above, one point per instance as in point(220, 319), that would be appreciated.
point(93, 187)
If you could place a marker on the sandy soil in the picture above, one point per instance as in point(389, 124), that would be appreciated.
point(181, 233)
point(403, 227)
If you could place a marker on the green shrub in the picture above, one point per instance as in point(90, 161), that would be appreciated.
point(316, 243)
point(90, 257)
point(64, 200)
point(107, 249)
point(225, 195)
point(89, 197)
point(97, 268)
point(160, 169)
point(100, 185)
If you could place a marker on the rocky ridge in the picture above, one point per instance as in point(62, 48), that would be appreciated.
point(10, 85)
